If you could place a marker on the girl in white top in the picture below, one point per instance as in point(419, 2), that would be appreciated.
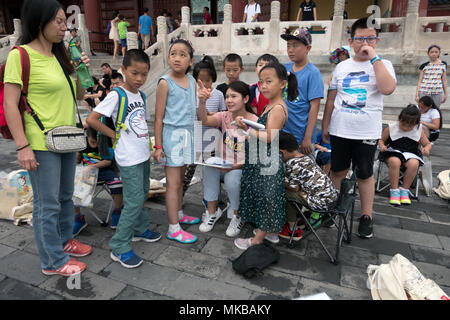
point(114, 33)
point(431, 117)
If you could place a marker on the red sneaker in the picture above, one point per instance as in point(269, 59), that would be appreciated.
point(75, 248)
point(286, 233)
point(71, 268)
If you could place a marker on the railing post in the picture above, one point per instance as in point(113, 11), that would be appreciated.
point(274, 27)
point(162, 37)
point(132, 40)
point(17, 32)
point(337, 25)
point(185, 22)
point(84, 34)
point(227, 28)
point(410, 31)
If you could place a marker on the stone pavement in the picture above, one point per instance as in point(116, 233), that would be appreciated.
point(203, 271)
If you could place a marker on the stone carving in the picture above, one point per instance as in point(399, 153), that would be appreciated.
point(185, 15)
point(228, 13)
point(132, 40)
point(339, 6)
point(413, 7)
point(162, 25)
point(275, 10)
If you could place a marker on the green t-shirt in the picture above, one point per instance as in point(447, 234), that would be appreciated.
point(122, 27)
point(49, 94)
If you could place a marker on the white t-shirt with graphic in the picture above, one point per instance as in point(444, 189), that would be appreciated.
point(251, 10)
point(358, 107)
point(133, 145)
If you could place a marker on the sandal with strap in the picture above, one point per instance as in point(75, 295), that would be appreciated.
point(181, 236)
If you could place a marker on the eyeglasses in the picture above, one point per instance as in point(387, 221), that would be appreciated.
point(360, 40)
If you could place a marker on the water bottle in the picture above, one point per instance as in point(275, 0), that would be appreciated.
point(81, 69)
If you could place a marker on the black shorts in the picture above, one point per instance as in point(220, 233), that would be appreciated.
point(360, 153)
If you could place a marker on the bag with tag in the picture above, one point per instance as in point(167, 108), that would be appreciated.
point(255, 259)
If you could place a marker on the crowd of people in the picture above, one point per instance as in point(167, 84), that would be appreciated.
point(266, 166)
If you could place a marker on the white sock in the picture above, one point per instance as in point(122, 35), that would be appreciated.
point(401, 188)
point(180, 214)
point(174, 228)
point(394, 189)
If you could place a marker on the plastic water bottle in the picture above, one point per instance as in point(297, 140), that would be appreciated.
point(81, 69)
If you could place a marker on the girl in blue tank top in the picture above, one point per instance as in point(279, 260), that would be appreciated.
point(174, 133)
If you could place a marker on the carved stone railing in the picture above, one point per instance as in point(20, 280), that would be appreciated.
point(6, 43)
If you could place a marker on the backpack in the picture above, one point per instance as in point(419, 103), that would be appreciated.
point(23, 104)
point(122, 112)
point(256, 8)
point(108, 28)
point(256, 258)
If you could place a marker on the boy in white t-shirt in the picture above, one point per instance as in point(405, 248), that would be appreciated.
point(251, 12)
point(353, 115)
point(132, 154)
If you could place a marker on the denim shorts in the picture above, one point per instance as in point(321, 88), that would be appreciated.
point(178, 145)
point(123, 42)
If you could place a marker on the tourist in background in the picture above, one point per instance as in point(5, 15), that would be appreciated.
point(114, 33)
point(145, 29)
point(308, 10)
point(433, 78)
point(251, 12)
point(206, 16)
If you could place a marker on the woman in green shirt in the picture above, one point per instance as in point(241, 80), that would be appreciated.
point(49, 95)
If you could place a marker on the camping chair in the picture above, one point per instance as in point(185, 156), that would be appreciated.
point(101, 187)
point(341, 215)
point(382, 178)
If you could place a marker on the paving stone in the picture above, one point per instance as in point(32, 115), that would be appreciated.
point(439, 274)
point(7, 228)
point(429, 255)
point(426, 227)
point(192, 262)
point(148, 276)
point(347, 255)
point(445, 242)
point(222, 248)
point(308, 287)
point(11, 289)
point(272, 282)
point(406, 236)
point(19, 239)
point(389, 210)
point(132, 293)
point(5, 250)
point(91, 287)
point(22, 266)
point(442, 218)
point(312, 268)
point(149, 251)
point(382, 246)
point(196, 288)
point(98, 260)
point(96, 236)
point(352, 277)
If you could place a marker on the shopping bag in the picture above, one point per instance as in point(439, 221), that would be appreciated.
point(16, 197)
point(427, 175)
point(85, 183)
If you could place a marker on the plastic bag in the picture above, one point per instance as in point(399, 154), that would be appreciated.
point(16, 197)
point(85, 183)
point(427, 175)
point(401, 280)
point(443, 189)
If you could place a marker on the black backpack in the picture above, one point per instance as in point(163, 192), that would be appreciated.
point(256, 258)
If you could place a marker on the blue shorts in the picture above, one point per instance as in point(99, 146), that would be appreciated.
point(111, 179)
point(178, 145)
point(123, 42)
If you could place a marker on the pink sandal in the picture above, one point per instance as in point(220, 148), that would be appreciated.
point(181, 236)
point(189, 220)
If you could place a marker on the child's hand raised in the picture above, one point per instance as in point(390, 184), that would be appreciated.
point(203, 92)
point(368, 51)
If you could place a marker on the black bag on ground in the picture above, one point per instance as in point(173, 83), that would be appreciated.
point(256, 258)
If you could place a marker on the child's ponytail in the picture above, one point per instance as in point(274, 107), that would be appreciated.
point(282, 74)
point(292, 86)
point(207, 64)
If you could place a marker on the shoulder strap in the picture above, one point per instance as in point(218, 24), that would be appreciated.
point(121, 113)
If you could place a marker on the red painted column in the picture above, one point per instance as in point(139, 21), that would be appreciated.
point(238, 9)
point(92, 15)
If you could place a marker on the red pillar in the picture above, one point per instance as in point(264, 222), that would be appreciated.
point(92, 15)
point(238, 9)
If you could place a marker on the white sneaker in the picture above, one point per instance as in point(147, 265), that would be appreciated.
point(230, 212)
point(210, 220)
point(234, 227)
point(269, 237)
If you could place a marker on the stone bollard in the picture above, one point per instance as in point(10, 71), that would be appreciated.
point(132, 40)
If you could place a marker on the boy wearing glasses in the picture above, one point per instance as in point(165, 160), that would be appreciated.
point(352, 119)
